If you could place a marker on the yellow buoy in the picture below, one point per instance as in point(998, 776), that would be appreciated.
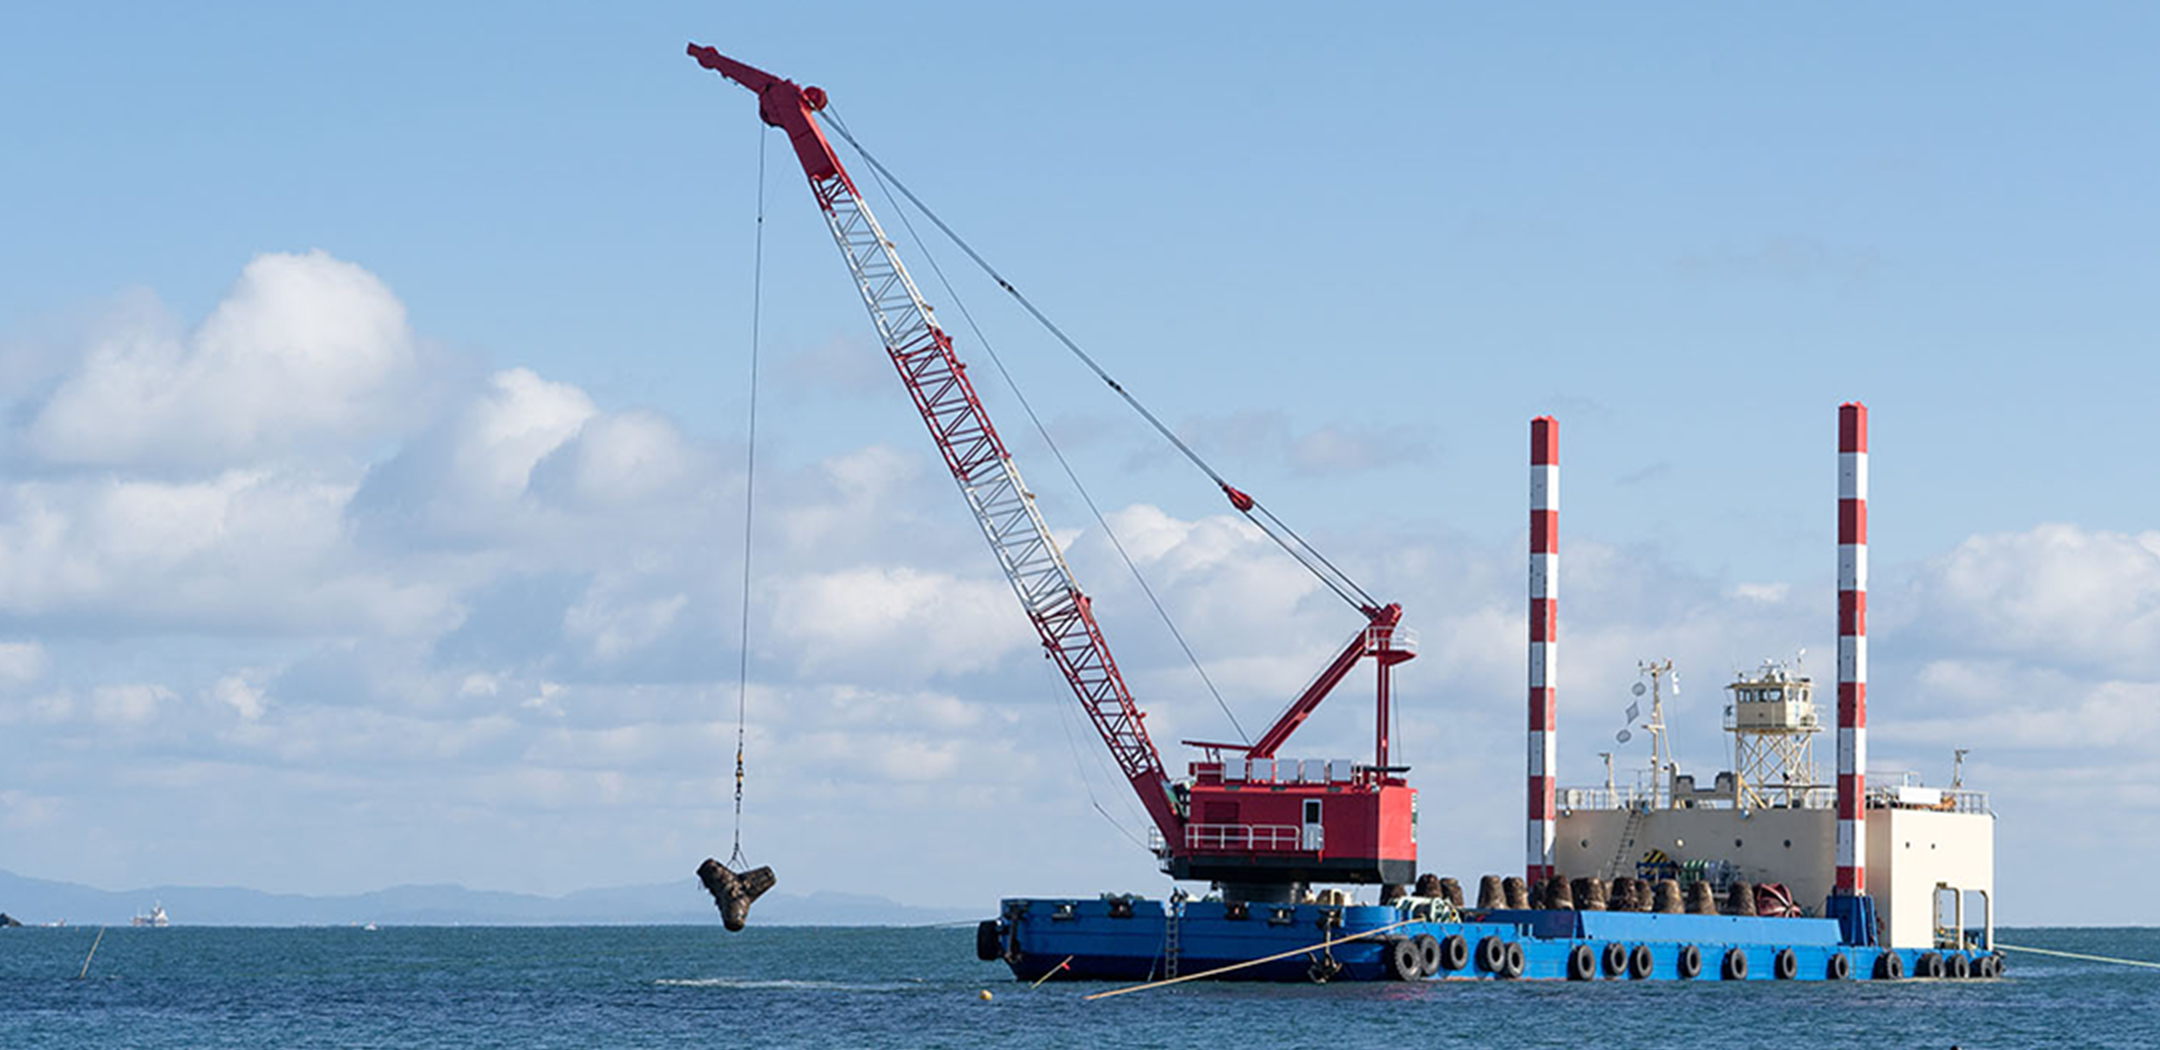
point(986, 995)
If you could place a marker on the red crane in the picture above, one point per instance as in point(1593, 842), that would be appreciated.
point(1249, 821)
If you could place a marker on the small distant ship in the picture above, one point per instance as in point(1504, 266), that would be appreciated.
point(156, 917)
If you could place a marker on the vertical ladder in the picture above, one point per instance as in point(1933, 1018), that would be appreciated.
point(1173, 920)
point(1636, 816)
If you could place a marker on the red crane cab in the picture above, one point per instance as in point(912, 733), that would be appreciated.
point(1284, 820)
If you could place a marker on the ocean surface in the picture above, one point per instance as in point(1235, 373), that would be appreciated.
point(693, 986)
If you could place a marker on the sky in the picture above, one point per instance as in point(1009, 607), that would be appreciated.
point(373, 473)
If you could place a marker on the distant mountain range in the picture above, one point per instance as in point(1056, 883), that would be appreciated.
point(684, 901)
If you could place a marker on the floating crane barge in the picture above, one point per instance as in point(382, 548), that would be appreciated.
point(1264, 829)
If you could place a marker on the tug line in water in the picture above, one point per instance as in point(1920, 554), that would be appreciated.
point(2079, 955)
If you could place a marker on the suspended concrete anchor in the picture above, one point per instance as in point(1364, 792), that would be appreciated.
point(733, 893)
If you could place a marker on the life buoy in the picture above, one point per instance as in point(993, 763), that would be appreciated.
point(1428, 954)
point(1640, 962)
point(1839, 967)
point(1581, 963)
point(1491, 954)
point(1960, 967)
point(1516, 961)
point(1403, 959)
point(1928, 965)
point(1889, 967)
point(1785, 965)
point(988, 945)
point(1615, 958)
point(1735, 966)
point(1454, 952)
point(1690, 962)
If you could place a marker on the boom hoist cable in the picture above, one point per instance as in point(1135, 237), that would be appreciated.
point(1162, 612)
point(1275, 528)
point(735, 885)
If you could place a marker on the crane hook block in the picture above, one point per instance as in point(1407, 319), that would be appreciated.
point(1241, 501)
point(732, 893)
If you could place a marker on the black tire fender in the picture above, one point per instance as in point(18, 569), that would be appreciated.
point(1960, 967)
point(1839, 967)
point(1402, 959)
point(1889, 967)
point(1735, 967)
point(1641, 962)
point(1786, 965)
point(1615, 958)
point(1929, 964)
point(1428, 953)
point(1516, 962)
point(1690, 963)
point(1454, 952)
point(1491, 954)
point(1582, 963)
point(989, 945)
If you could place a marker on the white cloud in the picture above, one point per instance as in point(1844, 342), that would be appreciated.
point(613, 624)
point(22, 662)
point(128, 705)
point(304, 349)
point(2055, 594)
point(915, 622)
point(243, 696)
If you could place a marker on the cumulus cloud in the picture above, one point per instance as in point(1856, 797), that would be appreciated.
point(2057, 594)
point(309, 571)
point(304, 349)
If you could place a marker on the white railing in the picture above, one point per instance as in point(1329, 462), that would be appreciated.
point(1399, 638)
point(1246, 838)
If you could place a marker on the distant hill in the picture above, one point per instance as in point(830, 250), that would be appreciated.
point(684, 901)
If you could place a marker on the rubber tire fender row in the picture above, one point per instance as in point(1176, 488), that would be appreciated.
point(1517, 961)
point(1889, 967)
point(1960, 967)
point(1641, 962)
point(1690, 962)
point(1582, 963)
point(1785, 965)
point(1402, 959)
point(1454, 952)
point(1615, 959)
point(1491, 954)
point(1735, 966)
point(1839, 968)
point(1428, 953)
point(989, 946)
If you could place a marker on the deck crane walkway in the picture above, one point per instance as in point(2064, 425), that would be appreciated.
point(1257, 824)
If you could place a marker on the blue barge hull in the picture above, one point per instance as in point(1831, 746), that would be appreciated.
point(1139, 940)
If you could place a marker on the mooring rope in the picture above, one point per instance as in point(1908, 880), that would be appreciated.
point(2080, 955)
point(1323, 945)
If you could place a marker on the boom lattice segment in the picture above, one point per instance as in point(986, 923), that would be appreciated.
point(937, 382)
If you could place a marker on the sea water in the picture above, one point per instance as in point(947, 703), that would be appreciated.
point(699, 986)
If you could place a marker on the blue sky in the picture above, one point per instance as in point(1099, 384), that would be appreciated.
point(376, 389)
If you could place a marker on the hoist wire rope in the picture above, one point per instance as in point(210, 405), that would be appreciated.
point(878, 175)
point(1339, 582)
point(742, 665)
